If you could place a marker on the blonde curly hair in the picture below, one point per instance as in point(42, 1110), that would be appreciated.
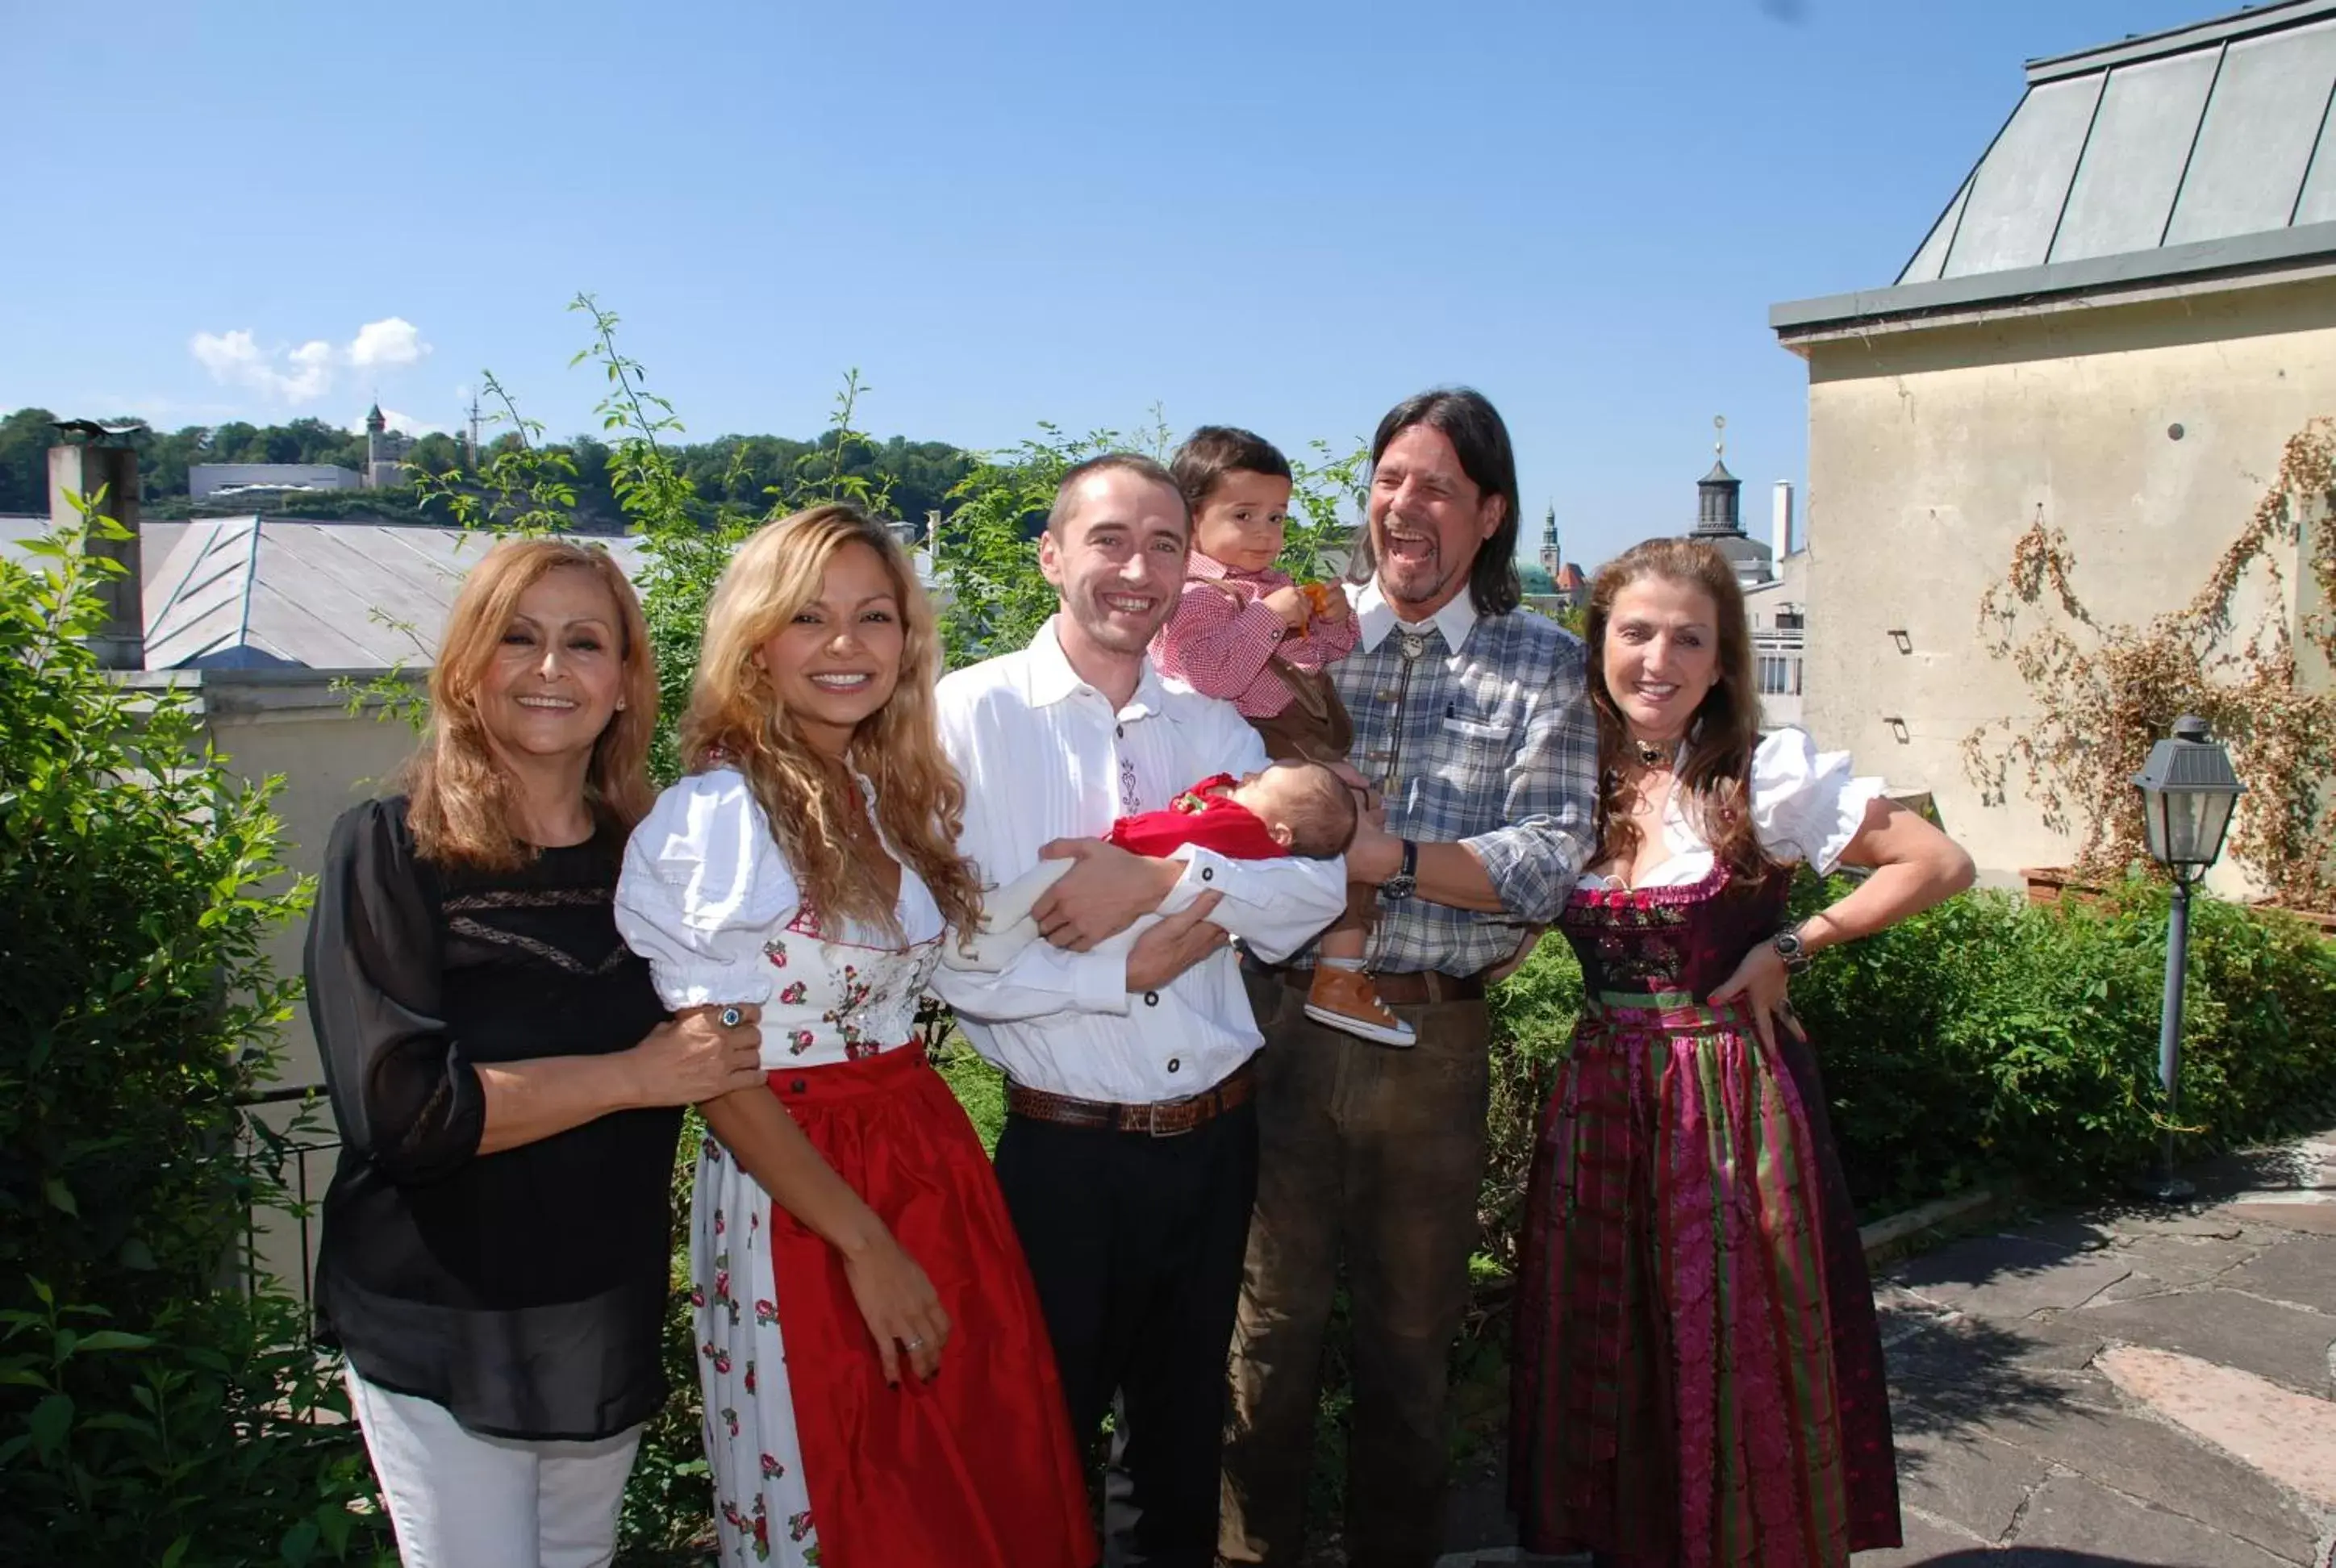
point(735, 720)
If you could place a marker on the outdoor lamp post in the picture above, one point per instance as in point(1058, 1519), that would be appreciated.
point(2188, 790)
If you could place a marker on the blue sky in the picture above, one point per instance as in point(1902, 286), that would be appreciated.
point(1279, 213)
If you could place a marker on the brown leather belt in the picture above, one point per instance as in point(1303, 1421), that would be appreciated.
point(1408, 990)
point(1161, 1119)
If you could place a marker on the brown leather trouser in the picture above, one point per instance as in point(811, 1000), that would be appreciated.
point(1378, 1154)
point(1315, 728)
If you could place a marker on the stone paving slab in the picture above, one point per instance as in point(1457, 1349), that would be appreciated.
point(2163, 1467)
point(2165, 1263)
point(2288, 1437)
point(1978, 1481)
point(2079, 1514)
point(1927, 1542)
point(2284, 1344)
point(2301, 1270)
point(2208, 1224)
point(2011, 1277)
point(2318, 1218)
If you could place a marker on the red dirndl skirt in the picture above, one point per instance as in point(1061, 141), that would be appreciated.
point(975, 1468)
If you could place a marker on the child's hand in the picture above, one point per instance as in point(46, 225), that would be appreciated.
point(1290, 604)
point(1328, 601)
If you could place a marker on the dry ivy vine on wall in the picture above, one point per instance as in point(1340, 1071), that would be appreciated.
point(2103, 693)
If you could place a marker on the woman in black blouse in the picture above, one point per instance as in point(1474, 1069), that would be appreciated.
point(493, 1262)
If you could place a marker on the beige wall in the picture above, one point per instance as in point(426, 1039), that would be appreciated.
point(329, 760)
point(293, 724)
point(1930, 448)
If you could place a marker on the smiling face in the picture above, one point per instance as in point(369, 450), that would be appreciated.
point(1428, 520)
point(1244, 519)
point(837, 661)
point(1662, 655)
point(552, 683)
point(1115, 554)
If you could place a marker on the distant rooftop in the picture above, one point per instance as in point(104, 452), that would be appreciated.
point(276, 593)
point(2205, 150)
point(250, 592)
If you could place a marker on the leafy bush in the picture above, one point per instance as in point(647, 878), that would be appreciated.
point(1993, 1035)
point(146, 1412)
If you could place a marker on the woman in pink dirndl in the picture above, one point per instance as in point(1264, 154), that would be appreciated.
point(1697, 1376)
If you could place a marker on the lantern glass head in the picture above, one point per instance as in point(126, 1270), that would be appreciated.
point(2188, 791)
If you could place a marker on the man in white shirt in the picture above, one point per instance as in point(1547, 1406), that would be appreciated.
point(1129, 1157)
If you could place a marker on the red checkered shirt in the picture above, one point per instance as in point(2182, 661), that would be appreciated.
point(1222, 636)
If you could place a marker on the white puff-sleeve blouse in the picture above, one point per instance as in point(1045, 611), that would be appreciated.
point(707, 896)
point(1806, 807)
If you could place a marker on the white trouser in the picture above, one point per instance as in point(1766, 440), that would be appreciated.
point(459, 1500)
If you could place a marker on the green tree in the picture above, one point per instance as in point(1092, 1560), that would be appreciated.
point(146, 1415)
point(25, 441)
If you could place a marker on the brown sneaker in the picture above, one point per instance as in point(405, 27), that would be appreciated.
point(1344, 999)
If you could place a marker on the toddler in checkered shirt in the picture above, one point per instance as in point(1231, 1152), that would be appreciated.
point(1244, 631)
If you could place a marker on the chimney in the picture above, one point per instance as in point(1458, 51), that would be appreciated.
point(106, 480)
point(1780, 518)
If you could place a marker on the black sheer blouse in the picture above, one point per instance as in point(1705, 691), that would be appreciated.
point(522, 1290)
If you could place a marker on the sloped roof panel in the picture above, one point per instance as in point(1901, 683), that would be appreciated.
point(2124, 187)
point(2018, 190)
point(2149, 158)
point(326, 595)
point(2317, 204)
point(2256, 142)
point(1925, 268)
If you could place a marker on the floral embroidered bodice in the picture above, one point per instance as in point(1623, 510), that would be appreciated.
point(835, 1001)
point(707, 896)
point(1639, 941)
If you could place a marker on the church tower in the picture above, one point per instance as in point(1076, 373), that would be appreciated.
point(1551, 560)
point(1720, 517)
point(384, 451)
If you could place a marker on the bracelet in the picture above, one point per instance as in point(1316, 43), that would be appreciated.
point(1788, 946)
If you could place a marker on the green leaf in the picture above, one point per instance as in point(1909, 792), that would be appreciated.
point(115, 1340)
point(61, 1197)
point(300, 1542)
point(51, 1419)
point(176, 1552)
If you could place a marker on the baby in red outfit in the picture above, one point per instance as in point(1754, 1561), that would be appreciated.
point(1287, 808)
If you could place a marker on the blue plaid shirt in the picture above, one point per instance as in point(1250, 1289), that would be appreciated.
point(1477, 730)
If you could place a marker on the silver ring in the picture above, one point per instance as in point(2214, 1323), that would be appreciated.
point(916, 1344)
point(730, 1017)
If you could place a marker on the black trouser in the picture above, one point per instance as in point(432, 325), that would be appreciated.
point(1136, 1243)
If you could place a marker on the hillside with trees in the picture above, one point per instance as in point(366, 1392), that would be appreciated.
point(742, 471)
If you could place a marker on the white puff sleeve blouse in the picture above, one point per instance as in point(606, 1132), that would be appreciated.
point(703, 882)
point(1807, 804)
point(1806, 807)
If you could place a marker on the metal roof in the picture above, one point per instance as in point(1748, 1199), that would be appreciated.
point(250, 592)
point(257, 593)
point(2200, 150)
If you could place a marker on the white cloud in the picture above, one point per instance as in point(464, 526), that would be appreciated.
point(391, 341)
point(306, 371)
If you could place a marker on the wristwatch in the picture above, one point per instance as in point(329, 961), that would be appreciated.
point(1788, 946)
point(1404, 883)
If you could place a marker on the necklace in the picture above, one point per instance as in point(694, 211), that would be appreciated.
point(1650, 755)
